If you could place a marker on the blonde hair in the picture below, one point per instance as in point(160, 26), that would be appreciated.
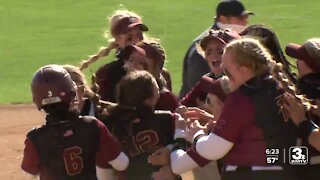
point(79, 78)
point(115, 18)
point(105, 51)
point(200, 50)
point(252, 54)
point(312, 46)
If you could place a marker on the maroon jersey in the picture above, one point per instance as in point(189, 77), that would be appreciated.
point(167, 101)
point(69, 150)
point(152, 131)
point(109, 75)
point(252, 120)
point(207, 84)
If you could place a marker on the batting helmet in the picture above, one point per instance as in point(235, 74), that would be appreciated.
point(52, 84)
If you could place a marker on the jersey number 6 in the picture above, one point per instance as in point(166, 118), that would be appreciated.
point(73, 160)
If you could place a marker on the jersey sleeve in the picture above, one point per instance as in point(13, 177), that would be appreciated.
point(190, 99)
point(237, 114)
point(109, 147)
point(30, 162)
point(167, 101)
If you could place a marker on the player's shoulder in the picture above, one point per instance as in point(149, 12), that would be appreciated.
point(35, 131)
point(166, 94)
point(87, 120)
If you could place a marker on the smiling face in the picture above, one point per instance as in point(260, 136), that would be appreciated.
point(213, 55)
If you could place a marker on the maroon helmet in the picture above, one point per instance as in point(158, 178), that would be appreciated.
point(52, 84)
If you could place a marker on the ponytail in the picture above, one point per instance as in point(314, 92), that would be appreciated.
point(103, 52)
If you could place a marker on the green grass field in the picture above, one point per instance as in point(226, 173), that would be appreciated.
point(39, 32)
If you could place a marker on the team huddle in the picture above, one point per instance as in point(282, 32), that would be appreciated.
point(240, 103)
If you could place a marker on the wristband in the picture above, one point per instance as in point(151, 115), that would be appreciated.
point(198, 135)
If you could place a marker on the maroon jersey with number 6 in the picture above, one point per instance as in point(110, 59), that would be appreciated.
point(70, 150)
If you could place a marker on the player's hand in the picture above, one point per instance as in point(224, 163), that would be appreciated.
point(165, 173)
point(294, 108)
point(160, 157)
point(182, 110)
point(194, 127)
point(198, 114)
point(180, 122)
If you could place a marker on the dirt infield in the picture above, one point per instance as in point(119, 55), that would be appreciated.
point(15, 122)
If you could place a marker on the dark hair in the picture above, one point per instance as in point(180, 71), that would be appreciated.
point(269, 40)
point(135, 88)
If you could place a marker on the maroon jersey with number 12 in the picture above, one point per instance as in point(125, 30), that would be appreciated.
point(152, 131)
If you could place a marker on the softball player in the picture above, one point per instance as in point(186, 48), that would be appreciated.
point(126, 28)
point(250, 122)
point(308, 65)
point(150, 56)
point(140, 128)
point(211, 48)
point(68, 146)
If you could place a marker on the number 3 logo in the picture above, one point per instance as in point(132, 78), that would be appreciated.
point(73, 160)
point(298, 153)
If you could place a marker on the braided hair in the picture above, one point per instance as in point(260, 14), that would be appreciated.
point(251, 53)
point(105, 51)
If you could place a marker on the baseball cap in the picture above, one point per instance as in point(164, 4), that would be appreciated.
point(127, 24)
point(209, 85)
point(300, 52)
point(146, 50)
point(224, 36)
point(232, 8)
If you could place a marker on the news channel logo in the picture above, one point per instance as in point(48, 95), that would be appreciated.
point(298, 155)
point(295, 155)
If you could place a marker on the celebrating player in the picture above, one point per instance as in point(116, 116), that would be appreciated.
point(137, 125)
point(150, 56)
point(68, 146)
point(211, 47)
point(250, 121)
point(126, 28)
point(308, 65)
